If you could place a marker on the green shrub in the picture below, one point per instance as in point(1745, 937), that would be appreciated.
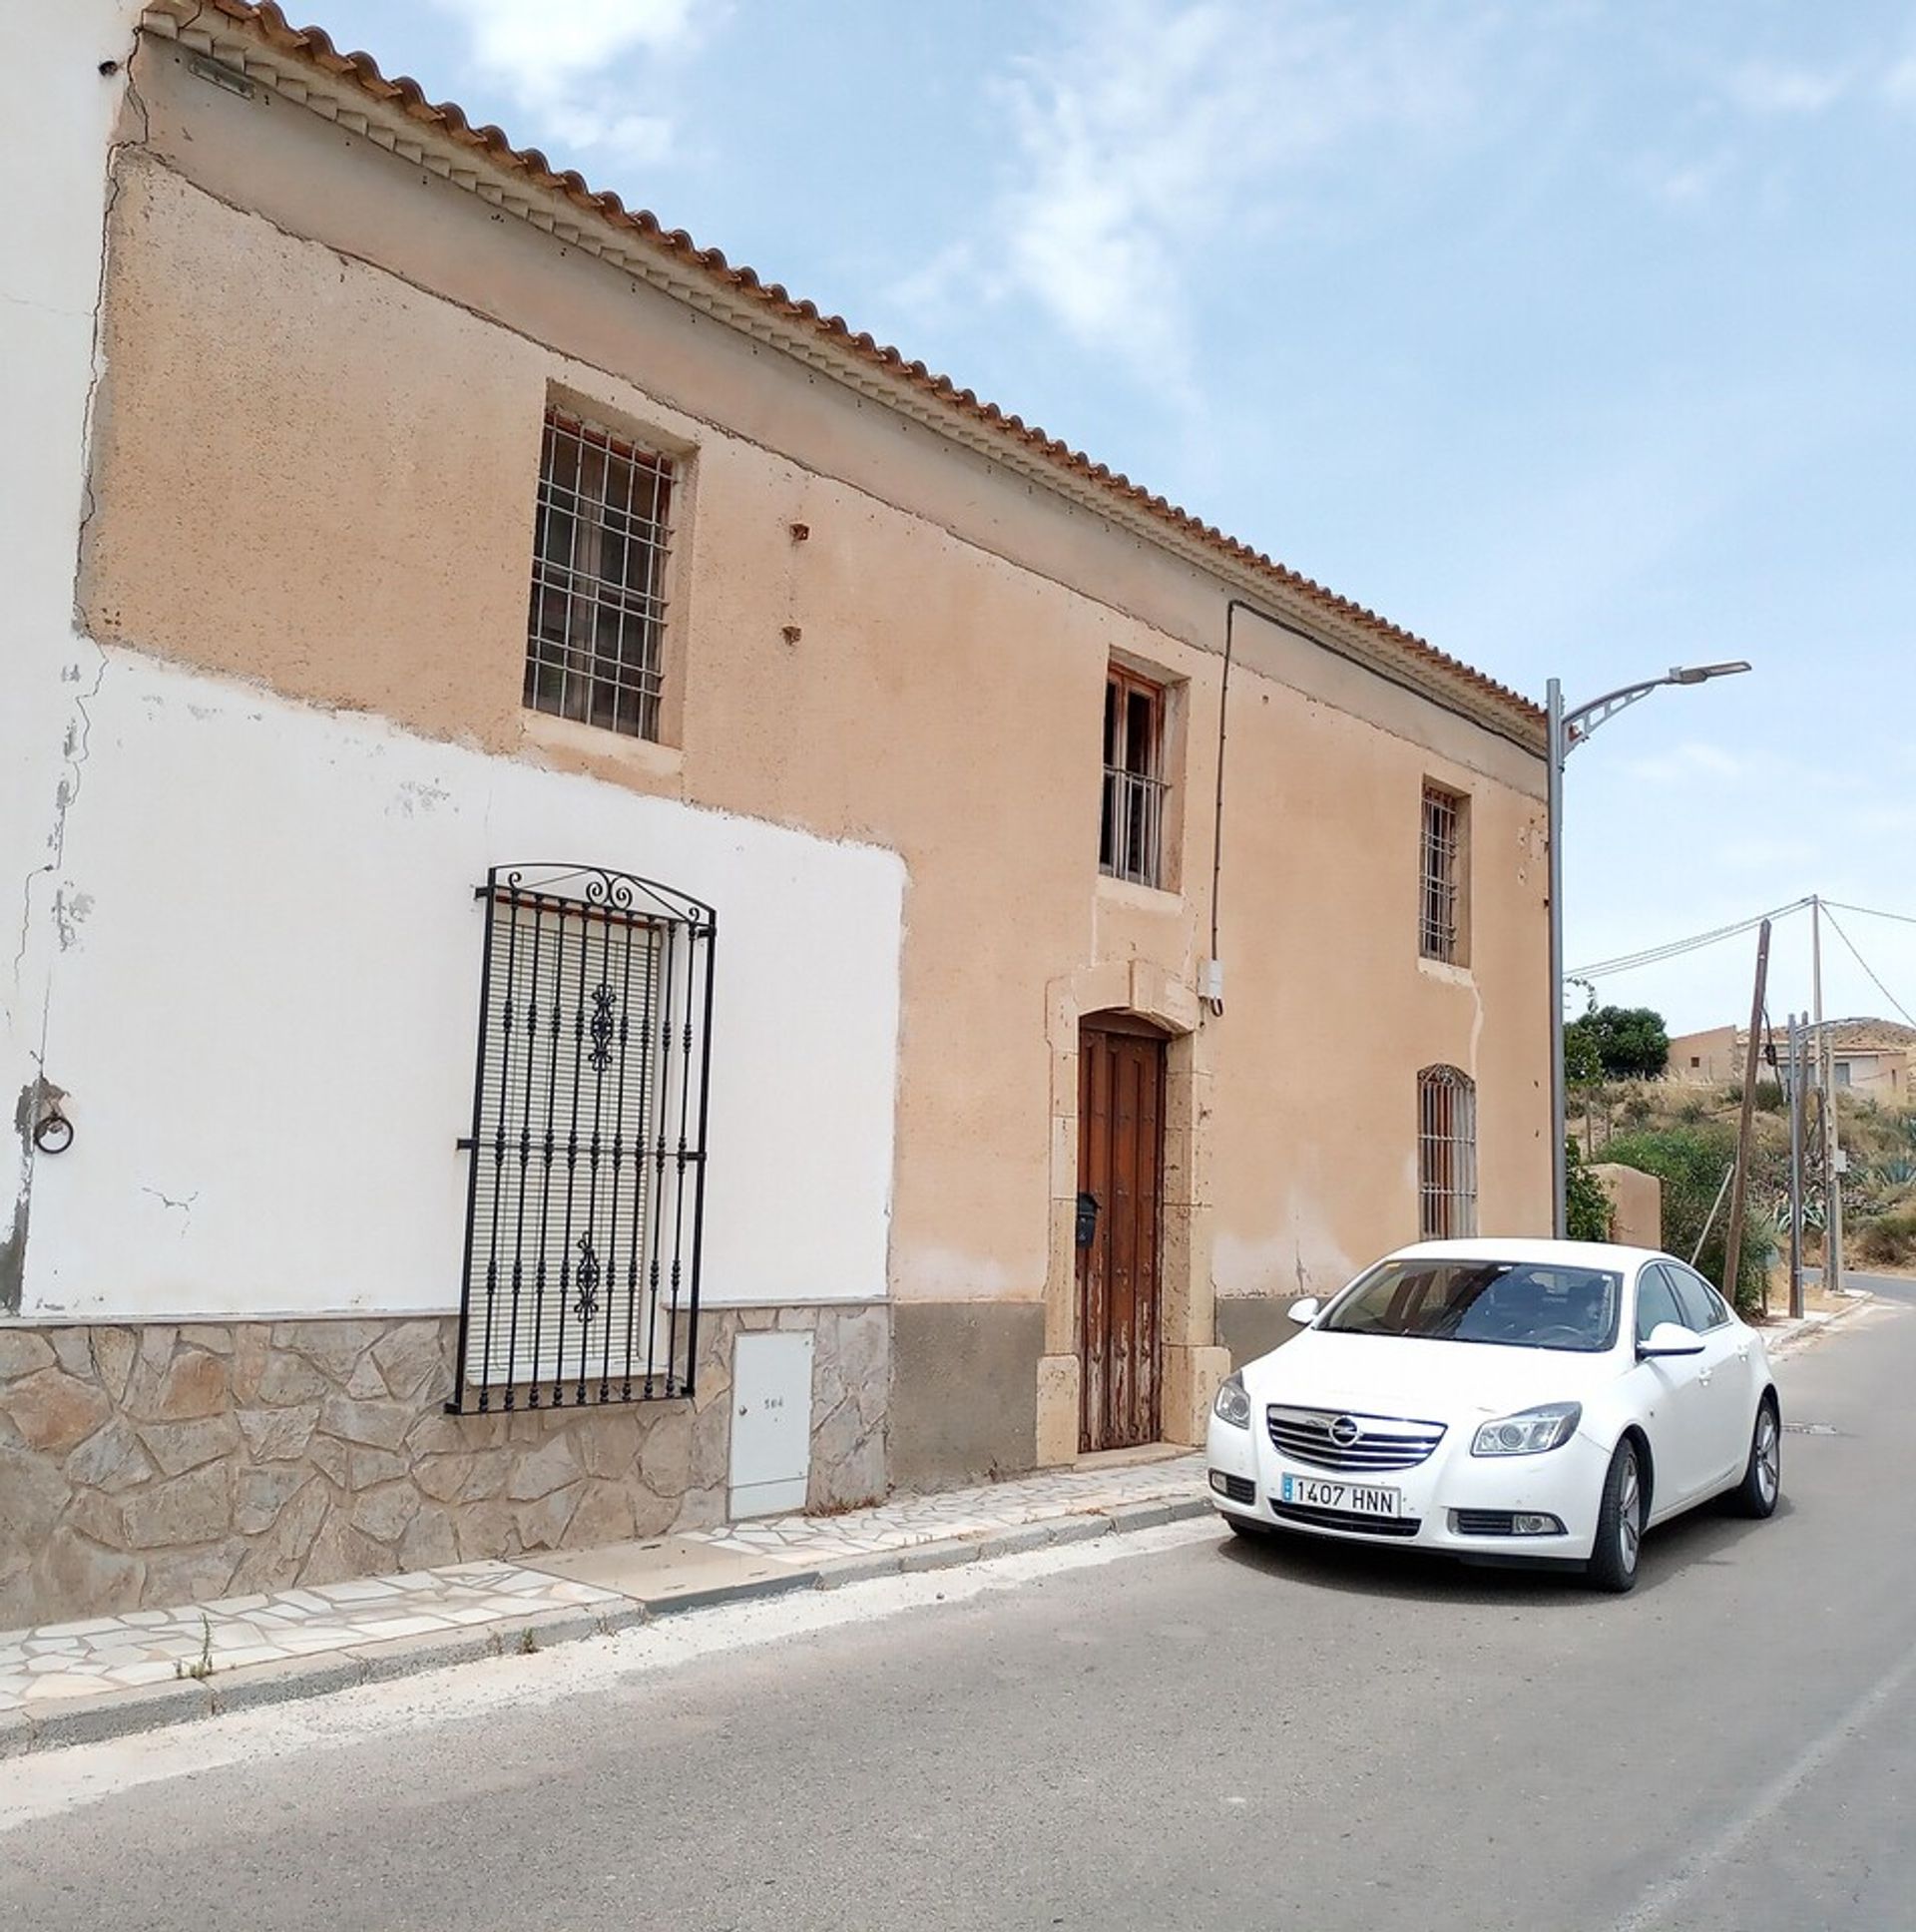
point(1769, 1097)
point(1690, 1161)
point(1889, 1240)
point(1586, 1205)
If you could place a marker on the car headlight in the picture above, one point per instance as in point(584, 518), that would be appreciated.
point(1529, 1433)
point(1233, 1404)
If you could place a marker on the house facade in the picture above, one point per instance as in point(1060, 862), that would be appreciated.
point(636, 909)
point(1868, 1058)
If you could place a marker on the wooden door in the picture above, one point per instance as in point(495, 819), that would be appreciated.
point(1121, 1144)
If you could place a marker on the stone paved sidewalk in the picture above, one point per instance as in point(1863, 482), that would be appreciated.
point(910, 1520)
point(106, 1676)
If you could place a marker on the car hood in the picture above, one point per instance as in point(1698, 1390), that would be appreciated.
point(1437, 1381)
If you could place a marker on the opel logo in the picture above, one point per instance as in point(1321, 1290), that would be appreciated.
point(1343, 1432)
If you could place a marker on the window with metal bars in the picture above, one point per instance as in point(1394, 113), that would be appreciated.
point(1131, 835)
point(585, 1203)
point(1442, 922)
point(1446, 1153)
point(595, 636)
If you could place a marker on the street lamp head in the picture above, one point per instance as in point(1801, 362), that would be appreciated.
point(1701, 674)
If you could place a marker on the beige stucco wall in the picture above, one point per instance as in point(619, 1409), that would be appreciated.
point(1715, 1052)
point(1636, 1204)
point(317, 450)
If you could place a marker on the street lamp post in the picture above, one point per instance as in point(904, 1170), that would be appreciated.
point(1566, 731)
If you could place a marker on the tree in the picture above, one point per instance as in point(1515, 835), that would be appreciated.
point(1616, 1042)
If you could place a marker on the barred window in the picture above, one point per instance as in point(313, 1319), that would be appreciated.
point(585, 1203)
point(594, 640)
point(1442, 935)
point(1446, 1153)
point(1131, 834)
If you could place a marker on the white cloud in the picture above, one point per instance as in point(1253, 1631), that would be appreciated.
point(1691, 184)
point(1899, 83)
point(1798, 857)
point(1682, 763)
point(1158, 141)
point(543, 45)
point(1773, 88)
point(568, 64)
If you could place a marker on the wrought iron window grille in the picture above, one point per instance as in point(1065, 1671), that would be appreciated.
point(1441, 924)
point(601, 542)
point(1131, 831)
point(585, 1199)
point(1446, 1155)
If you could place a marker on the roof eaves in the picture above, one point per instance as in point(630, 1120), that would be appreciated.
point(742, 295)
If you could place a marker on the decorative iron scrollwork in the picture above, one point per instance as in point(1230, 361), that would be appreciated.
point(586, 1281)
point(605, 1003)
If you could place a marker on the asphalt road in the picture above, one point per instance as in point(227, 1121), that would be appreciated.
point(1179, 1733)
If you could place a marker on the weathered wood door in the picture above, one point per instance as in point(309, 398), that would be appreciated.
point(1120, 1142)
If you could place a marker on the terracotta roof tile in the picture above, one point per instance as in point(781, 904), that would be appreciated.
point(315, 45)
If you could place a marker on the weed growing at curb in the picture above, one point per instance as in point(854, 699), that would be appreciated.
point(200, 1668)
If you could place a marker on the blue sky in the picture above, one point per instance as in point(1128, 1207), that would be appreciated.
point(1579, 338)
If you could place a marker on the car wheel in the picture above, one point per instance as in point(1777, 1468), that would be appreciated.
point(1762, 1480)
point(1619, 1523)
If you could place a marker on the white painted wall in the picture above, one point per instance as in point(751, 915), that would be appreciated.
point(264, 1008)
point(57, 110)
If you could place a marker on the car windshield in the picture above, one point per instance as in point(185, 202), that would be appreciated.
point(1509, 1305)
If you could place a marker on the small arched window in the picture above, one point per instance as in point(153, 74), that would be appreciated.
point(1446, 1153)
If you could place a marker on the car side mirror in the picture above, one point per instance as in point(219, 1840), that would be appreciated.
point(1669, 1338)
point(1306, 1311)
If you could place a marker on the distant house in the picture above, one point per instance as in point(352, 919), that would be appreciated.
point(1871, 1058)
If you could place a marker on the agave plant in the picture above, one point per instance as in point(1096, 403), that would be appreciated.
point(1816, 1215)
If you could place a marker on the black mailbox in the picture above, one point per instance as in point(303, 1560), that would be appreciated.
point(1087, 1219)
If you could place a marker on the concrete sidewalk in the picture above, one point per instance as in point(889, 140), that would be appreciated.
point(107, 1677)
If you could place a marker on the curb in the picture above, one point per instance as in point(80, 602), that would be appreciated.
point(124, 1713)
point(1808, 1333)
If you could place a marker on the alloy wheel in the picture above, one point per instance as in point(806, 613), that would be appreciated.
point(1770, 1458)
point(1630, 1515)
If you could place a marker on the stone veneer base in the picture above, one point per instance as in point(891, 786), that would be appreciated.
point(171, 1463)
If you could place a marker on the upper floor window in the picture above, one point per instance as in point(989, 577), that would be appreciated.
point(1446, 1153)
point(1131, 834)
point(594, 640)
point(1443, 897)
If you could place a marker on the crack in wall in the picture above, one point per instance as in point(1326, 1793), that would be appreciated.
point(76, 743)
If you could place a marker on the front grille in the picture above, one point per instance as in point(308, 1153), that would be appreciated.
point(1380, 1441)
point(1236, 1489)
point(1331, 1519)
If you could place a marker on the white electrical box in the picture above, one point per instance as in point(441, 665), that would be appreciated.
point(771, 1424)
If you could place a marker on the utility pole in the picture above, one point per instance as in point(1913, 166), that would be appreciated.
point(1795, 1168)
point(1734, 1238)
point(1556, 750)
point(1826, 1082)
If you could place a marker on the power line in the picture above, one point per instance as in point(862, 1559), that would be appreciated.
point(1901, 918)
point(1654, 955)
point(1865, 965)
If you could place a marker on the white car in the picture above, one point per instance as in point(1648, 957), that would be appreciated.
point(1500, 1399)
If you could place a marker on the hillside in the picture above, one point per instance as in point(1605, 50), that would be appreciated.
point(1687, 1135)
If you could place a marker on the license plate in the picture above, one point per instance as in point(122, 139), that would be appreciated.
point(1359, 1499)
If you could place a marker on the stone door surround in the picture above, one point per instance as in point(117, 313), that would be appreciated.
point(1193, 1365)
